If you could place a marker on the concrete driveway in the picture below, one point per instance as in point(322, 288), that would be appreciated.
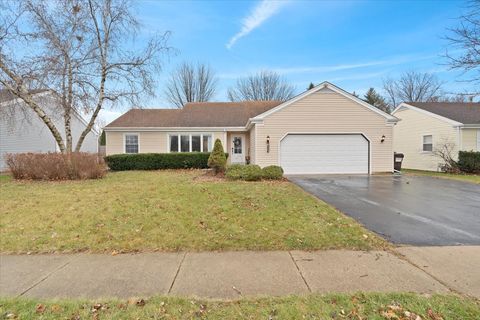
point(413, 210)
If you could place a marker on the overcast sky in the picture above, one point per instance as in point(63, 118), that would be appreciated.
point(353, 44)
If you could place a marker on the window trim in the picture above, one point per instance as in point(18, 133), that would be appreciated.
point(125, 141)
point(189, 134)
point(423, 136)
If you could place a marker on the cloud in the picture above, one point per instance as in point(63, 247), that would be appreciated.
point(261, 13)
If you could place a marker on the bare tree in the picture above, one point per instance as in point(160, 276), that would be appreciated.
point(412, 86)
point(465, 40)
point(190, 83)
point(445, 151)
point(78, 50)
point(262, 86)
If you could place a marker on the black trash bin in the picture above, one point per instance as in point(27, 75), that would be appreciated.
point(397, 161)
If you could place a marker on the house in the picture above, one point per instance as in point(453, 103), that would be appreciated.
point(427, 127)
point(22, 131)
point(322, 130)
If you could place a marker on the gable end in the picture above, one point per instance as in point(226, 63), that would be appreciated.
point(327, 87)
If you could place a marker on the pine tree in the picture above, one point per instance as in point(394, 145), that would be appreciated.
point(376, 100)
point(217, 160)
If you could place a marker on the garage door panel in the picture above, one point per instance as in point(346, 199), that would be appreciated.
point(324, 153)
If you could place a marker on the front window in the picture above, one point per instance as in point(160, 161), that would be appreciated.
point(174, 143)
point(184, 143)
point(237, 145)
point(428, 143)
point(195, 142)
point(131, 143)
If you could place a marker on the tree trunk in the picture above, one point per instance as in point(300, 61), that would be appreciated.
point(23, 94)
point(101, 97)
point(67, 107)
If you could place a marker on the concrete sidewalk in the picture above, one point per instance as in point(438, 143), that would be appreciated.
point(230, 275)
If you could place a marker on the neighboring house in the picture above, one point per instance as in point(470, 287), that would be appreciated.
point(23, 131)
point(323, 130)
point(427, 127)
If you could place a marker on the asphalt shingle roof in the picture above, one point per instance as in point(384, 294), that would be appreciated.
point(464, 112)
point(197, 114)
point(5, 95)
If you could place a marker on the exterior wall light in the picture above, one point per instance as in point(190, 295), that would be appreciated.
point(383, 139)
point(268, 144)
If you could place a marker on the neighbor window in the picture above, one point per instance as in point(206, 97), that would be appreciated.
point(195, 142)
point(131, 143)
point(427, 143)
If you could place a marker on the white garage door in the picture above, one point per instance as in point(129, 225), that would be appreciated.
point(324, 153)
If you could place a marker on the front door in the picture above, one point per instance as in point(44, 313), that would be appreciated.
point(238, 148)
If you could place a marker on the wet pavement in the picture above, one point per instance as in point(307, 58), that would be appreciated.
point(414, 210)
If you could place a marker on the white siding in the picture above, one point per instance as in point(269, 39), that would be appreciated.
point(18, 135)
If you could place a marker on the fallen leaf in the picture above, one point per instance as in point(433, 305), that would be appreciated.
point(55, 308)
point(10, 316)
point(114, 253)
point(40, 308)
point(140, 303)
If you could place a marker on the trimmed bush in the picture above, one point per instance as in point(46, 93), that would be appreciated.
point(157, 161)
point(469, 161)
point(272, 173)
point(217, 160)
point(56, 166)
point(249, 172)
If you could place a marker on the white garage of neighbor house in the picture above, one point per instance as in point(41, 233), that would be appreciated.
point(325, 130)
point(23, 131)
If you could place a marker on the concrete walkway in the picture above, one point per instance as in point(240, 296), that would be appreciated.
point(230, 275)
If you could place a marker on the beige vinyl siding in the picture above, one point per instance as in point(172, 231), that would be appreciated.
point(114, 142)
point(252, 141)
point(149, 141)
point(326, 112)
point(409, 133)
point(469, 139)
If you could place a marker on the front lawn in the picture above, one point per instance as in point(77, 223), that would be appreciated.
point(334, 306)
point(461, 177)
point(170, 211)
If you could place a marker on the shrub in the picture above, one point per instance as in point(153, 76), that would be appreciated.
point(157, 161)
point(469, 161)
point(217, 160)
point(56, 166)
point(249, 172)
point(272, 173)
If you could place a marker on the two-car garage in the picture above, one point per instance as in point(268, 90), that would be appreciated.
point(324, 130)
point(325, 154)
